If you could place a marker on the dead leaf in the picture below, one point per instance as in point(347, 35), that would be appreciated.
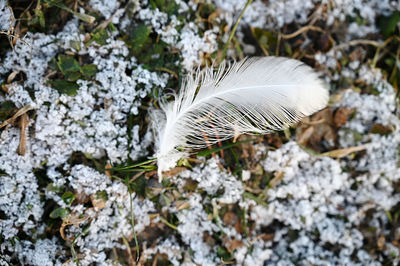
point(239, 227)
point(233, 244)
point(257, 170)
point(323, 134)
point(274, 140)
point(5, 87)
point(81, 197)
point(214, 16)
point(265, 237)
point(340, 116)
point(209, 239)
point(180, 205)
point(381, 129)
point(20, 112)
point(73, 219)
point(335, 98)
point(381, 242)
point(96, 202)
point(340, 153)
point(312, 123)
point(12, 76)
point(175, 171)
point(278, 176)
point(230, 218)
point(170, 173)
point(305, 136)
point(108, 166)
point(23, 124)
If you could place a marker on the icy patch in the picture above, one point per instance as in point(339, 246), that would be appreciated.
point(311, 185)
point(211, 179)
point(271, 15)
point(193, 223)
point(6, 16)
point(169, 247)
point(193, 46)
point(42, 252)
point(105, 7)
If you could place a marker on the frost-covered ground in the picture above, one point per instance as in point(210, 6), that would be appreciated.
point(74, 102)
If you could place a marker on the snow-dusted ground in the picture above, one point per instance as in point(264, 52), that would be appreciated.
point(313, 216)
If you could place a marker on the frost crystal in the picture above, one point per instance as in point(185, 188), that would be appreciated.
point(6, 16)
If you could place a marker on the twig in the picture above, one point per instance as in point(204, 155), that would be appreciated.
point(23, 123)
point(301, 30)
point(136, 176)
point(20, 112)
point(168, 71)
point(356, 42)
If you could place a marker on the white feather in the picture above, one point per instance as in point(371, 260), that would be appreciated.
point(253, 96)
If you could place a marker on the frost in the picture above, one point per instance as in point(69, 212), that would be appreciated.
point(105, 7)
point(193, 46)
point(311, 184)
point(211, 179)
point(162, 24)
point(271, 15)
point(6, 16)
point(43, 252)
point(86, 180)
point(193, 224)
point(169, 247)
point(315, 215)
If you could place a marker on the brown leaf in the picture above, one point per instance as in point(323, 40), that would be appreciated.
point(81, 197)
point(381, 242)
point(5, 87)
point(12, 76)
point(239, 227)
point(174, 171)
point(73, 219)
point(312, 123)
point(230, 218)
point(277, 179)
point(322, 133)
point(98, 203)
point(233, 244)
point(20, 112)
point(381, 129)
point(209, 239)
point(151, 232)
point(23, 123)
point(214, 16)
point(340, 153)
point(340, 116)
point(108, 166)
point(274, 140)
point(304, 136)
point(180, 205)
point(267, 237)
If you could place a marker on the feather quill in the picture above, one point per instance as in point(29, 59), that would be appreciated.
point(252, 96)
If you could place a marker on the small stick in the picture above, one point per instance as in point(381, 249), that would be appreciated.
point(301, 30)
